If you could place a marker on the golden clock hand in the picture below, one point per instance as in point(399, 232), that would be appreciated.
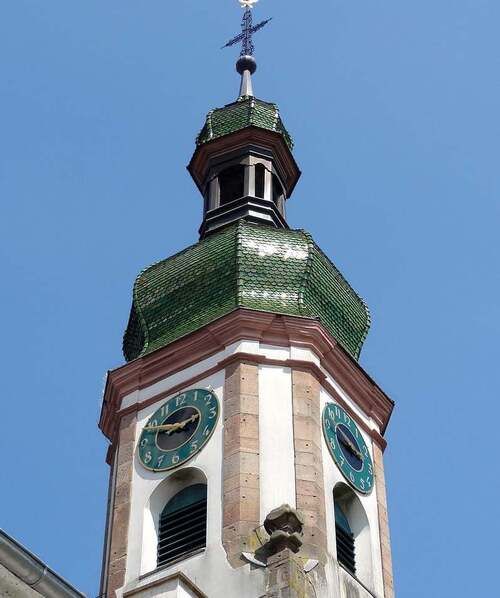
point(346, 441)
point(172, 427)
point(162, 428)
point(183, 424)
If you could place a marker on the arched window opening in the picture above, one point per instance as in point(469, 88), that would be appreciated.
point(232, 183)
point(352, 534)
point(260, 177)
point(277, 191)
point(345, 541)
point(183, 524)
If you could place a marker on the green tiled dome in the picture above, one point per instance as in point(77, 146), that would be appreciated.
point(246, 112)
point(249, 266)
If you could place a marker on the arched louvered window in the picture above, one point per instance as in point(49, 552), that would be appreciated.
point(345, 541)
point(183, 524)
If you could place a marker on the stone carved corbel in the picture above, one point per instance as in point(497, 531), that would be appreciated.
point(284, 526)
point(287, 574)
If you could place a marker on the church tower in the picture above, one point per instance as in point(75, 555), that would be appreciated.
point(246, 441)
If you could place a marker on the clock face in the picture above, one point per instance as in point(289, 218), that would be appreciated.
point(178, 429)
point(348, 448)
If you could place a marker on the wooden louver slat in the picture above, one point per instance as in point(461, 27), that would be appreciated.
point(182, 531)
point(345, 549)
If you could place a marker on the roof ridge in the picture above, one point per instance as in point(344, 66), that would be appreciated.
point(307, 271)
point(237, 257)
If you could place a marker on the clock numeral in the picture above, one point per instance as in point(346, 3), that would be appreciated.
point(206, 431)
point(351, 476)
point(180, 400)
point(368, 482)
point(331, 414)
point(365, 451)
point(342, 461)
point(338, 413)
point(331, 442)
point(164, 410)
point(153, 423)
point(370, 469)
point(194, 447)
point(160, 460)
point(362, 483)
point(148, 458)
point(347, 419)
point(213, 413)
point(175, 459)
point(208, 399)
point(195, 396)
point(144, 442)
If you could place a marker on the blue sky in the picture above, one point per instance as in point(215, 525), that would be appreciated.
point(394, 109)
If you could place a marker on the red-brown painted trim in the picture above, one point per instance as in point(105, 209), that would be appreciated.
point(308, 366)
point(244, 324)
point(158, 397)
point(287, 166)
point(294, 364)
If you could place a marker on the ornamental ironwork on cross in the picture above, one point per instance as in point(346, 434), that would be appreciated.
point(247, 29)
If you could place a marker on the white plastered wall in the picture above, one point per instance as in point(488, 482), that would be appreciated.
point(276, 458)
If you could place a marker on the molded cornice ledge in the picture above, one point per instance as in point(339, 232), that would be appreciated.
point(266, 328)
point(200, 162)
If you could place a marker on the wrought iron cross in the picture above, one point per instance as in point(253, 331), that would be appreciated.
point(248, 29)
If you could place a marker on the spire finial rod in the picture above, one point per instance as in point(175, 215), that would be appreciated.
point(246, 64)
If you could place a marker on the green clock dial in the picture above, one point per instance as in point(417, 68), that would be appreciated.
point(178, 430)
point(348, 448)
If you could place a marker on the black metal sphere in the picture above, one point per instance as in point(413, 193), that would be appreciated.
point(246, 63)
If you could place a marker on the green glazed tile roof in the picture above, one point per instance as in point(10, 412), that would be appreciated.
point(246, 112)
point(245, 265)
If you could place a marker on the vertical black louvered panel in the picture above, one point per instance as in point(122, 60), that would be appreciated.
point(345, 549)
point(182, 532)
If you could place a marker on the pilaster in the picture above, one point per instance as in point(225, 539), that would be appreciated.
point(385, 541)
point(286, 577)
point(120, 510)
point(309, 463)
point(241, 508)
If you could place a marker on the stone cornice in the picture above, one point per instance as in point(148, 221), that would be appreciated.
point(243, 324)
point(178, 576)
